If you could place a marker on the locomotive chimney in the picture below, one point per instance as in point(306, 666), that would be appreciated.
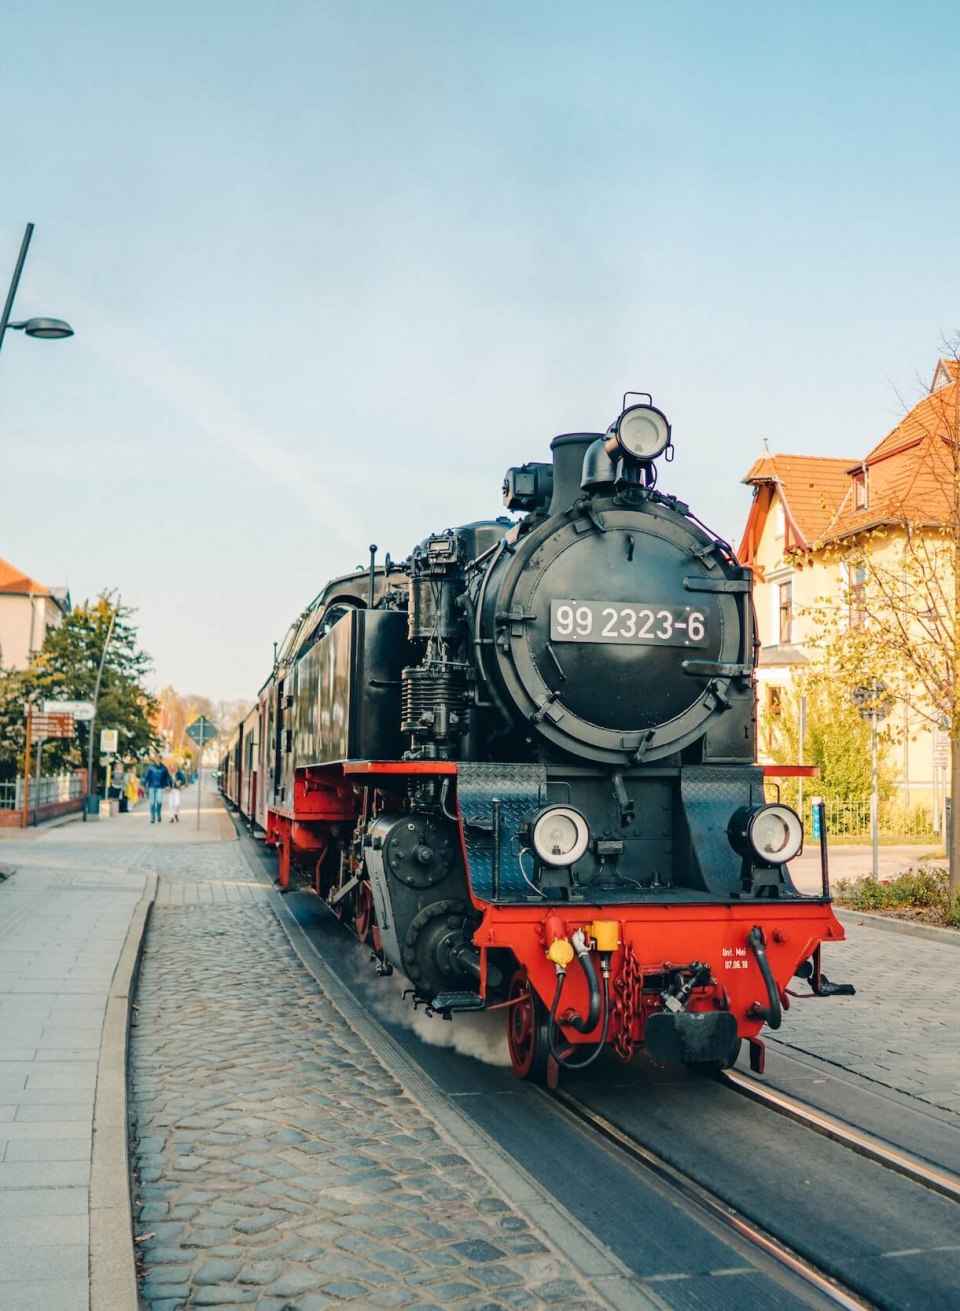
point(568, 452)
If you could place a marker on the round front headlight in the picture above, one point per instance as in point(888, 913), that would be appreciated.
point(643, 432)
point(559, 835)
point(770, 834)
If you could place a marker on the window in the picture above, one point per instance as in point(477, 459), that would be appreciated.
point(861, 493)
point(775, 701)
point(857, 595)
point(785, 593)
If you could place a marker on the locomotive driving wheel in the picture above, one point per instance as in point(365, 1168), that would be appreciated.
point(363, 911)
point(527, 1031)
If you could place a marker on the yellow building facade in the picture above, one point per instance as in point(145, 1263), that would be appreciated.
point(807, 511)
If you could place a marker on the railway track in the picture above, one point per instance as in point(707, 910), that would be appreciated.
point(864, 1144)
point(830, 1292)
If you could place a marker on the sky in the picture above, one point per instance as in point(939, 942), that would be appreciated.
point(334, 266)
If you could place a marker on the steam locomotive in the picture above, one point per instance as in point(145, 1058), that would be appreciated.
point(521, 763)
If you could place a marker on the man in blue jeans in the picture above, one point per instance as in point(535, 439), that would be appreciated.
point(156, 779)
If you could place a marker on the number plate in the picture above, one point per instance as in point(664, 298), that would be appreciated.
point(630, 625)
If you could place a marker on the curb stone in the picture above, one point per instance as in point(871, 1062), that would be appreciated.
point(113, 1277)
point(932, 932)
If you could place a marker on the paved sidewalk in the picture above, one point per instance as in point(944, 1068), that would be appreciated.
point(61, 935)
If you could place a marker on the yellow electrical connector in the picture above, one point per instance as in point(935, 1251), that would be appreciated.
point(606, 934)
point(560, 952)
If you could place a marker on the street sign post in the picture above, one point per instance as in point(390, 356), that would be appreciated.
point(79, 709)
point(109, 744)
point(873, 701)
point(40, 728)
point(44, 727)
point(201, 731)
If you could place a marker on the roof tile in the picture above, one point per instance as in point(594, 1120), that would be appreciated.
point(15, 580)
point(812, 488)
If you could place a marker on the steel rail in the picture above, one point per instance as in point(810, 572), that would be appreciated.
point(718, 1210)
point(857, 1140)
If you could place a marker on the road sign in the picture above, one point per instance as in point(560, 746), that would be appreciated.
point(79, 709)
point(109, 738)
point(201, 731)
point(873, 700)
point(45, 727)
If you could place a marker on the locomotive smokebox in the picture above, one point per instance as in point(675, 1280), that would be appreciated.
point(568, 452)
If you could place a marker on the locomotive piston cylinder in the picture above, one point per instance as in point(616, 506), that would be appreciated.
point(433, 611)
point(434, 704)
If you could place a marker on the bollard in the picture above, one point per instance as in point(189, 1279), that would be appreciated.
point(816, 809)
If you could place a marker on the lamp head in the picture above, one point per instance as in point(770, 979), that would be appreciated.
point(49, 329)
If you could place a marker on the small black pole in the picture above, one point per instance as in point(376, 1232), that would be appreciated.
point(21, 260)
point(824, 868)
point(495, 807)
point(36, 790)
point(373, 565)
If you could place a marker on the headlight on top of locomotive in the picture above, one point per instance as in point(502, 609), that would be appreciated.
point(642, 432)
point(559, 835)
point(770, 834)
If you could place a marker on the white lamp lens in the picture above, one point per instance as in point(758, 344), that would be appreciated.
point(776, 834)
point(643, 432)
point(560, 835)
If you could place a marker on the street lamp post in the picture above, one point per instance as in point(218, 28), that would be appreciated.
point(51, 329)
point(88, 799)
point(873, 702)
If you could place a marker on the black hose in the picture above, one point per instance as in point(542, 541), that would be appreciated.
point(593, 1010)
point(563, 1062)
point(772, 1015)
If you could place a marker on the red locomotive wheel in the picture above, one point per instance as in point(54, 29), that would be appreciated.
point(363, 911)
point(527, 1031)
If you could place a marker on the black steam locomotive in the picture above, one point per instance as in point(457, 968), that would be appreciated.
point(522, 761)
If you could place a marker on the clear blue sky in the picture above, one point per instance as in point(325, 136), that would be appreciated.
point(334, 266)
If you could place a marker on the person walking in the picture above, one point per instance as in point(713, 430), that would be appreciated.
point(156, 778)
point(173, 796)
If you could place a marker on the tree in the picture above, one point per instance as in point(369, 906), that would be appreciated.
point(178, 711)
point(66, 669)
point(900, 556)
point(837, 740)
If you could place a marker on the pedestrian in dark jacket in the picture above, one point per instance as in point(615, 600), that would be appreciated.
point(156, 778)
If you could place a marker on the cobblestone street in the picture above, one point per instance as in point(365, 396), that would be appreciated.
point(280, 1165)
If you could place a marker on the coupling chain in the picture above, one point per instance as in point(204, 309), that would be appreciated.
point(628, 987)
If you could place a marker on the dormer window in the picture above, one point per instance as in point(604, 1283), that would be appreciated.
point(861, 490)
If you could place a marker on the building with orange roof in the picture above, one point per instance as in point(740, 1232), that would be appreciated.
point(27, 611)
point(807, 509)
point(795, 499)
